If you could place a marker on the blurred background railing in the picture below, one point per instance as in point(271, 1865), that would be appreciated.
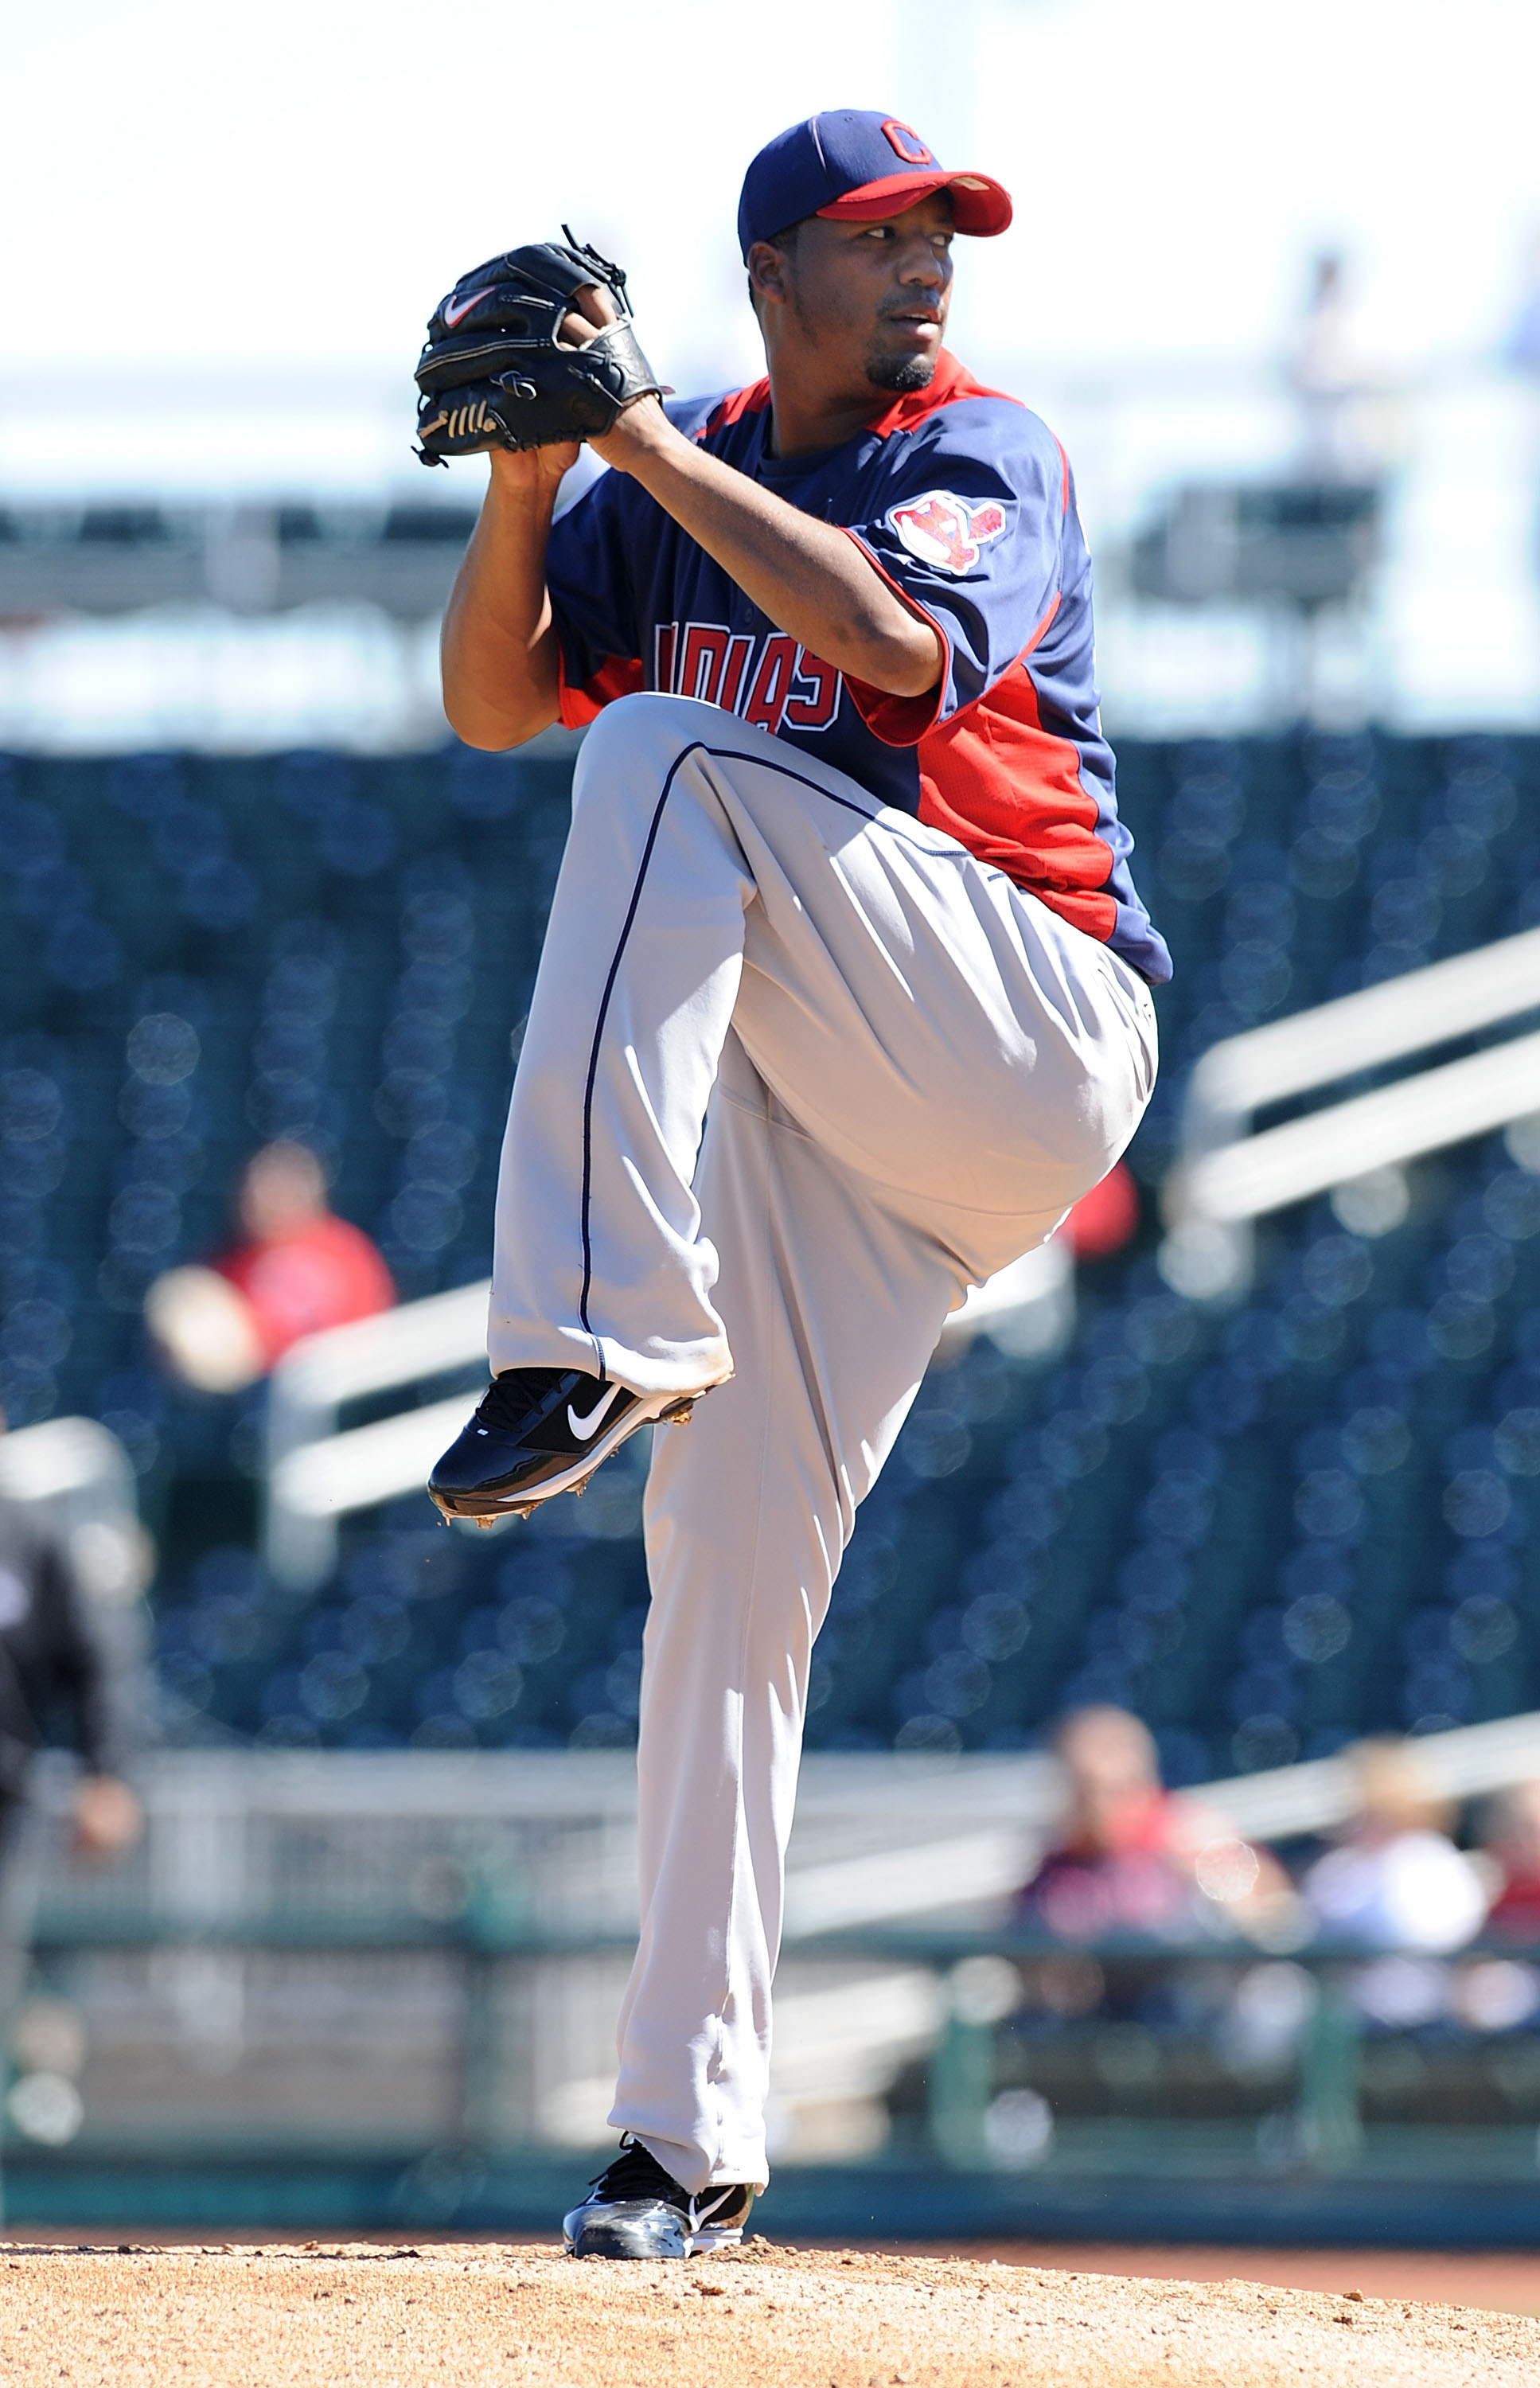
point(371, 1994)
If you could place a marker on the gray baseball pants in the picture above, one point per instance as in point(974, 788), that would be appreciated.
point(798, 1071)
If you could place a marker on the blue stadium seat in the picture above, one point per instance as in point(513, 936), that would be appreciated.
point(1267, 1529)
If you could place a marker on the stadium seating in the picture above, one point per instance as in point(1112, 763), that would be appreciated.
point(1267, 1527)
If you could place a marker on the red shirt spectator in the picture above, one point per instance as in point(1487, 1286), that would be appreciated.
point(299, 1269)
point(1514, 1843)
point(1132, 1857)
point(321, 1272)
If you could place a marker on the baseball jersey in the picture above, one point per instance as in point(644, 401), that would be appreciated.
point(963, 499)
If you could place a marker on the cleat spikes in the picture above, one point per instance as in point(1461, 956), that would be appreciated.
point(538, 1431)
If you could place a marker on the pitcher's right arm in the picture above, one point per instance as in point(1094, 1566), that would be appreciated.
point(499, 650)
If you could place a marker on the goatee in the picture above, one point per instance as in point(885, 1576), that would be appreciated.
point(900, 373)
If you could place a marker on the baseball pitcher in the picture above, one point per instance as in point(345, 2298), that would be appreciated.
point(844, 997)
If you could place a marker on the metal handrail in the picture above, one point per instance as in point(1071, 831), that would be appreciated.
point(1240, 1075)
point(305, 1493)
point(1259, 1174)
point(1225, 1175)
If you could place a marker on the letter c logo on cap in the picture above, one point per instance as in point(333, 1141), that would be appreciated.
point(906, 143)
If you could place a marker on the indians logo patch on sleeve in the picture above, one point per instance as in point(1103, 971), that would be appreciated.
point(945, 531)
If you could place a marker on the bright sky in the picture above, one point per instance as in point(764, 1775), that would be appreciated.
point(303, 178)
point(259, 194)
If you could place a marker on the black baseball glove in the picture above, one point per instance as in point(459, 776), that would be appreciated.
point(496, 374)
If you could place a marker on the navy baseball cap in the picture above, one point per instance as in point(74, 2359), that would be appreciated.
point(857, 164)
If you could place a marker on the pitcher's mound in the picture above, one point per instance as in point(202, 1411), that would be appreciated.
point(357, 2316)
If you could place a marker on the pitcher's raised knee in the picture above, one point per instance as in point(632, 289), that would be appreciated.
point(636, 742)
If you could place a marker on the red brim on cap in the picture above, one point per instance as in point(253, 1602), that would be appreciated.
point(979, 206)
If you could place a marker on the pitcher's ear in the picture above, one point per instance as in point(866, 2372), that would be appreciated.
point(768, 272)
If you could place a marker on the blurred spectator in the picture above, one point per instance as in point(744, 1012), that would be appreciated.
point(1522, 354)
point(1395, 1880)
point(1333, 382)
point(299, 1268)
point(1132, 1857)
point(1104, 1221)
point(1513, 1846)
point(1521, 348)
point(71, 1652)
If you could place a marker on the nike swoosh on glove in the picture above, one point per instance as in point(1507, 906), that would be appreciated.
point(495, 373)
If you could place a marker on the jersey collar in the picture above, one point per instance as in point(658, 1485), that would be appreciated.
point(950, 382)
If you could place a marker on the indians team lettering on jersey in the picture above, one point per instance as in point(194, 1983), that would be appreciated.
point(963, 499)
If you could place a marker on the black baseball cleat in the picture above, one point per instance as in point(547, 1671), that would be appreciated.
point(637, 2212)
point(540, 1431)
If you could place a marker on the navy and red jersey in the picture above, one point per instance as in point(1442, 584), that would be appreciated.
point(963, 500)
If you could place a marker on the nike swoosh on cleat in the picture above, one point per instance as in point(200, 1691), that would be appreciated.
point(587, 1427)
point(457, 314)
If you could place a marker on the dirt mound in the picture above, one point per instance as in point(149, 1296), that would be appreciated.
point(444, 2316)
